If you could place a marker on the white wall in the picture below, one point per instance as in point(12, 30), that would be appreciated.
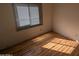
point(65, 20)
point(8, 34)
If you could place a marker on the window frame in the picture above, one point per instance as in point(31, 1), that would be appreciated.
point(27, 27)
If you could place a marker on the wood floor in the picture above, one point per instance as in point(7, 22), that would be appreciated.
point(50, 44)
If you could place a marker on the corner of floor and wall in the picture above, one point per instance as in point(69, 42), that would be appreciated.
point(60, 18)
point(65, 20)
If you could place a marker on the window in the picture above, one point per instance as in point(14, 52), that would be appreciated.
point(28, 15)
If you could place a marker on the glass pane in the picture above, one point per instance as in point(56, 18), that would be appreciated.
point(23, 15)
point(34, 13)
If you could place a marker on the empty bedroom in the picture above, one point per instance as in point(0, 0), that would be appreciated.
point(39, 29)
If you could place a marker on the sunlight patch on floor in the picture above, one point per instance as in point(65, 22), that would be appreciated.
point(61, 45)
point(42, 37)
